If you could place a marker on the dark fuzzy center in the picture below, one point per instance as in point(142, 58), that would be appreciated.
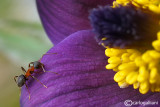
point(124, 27)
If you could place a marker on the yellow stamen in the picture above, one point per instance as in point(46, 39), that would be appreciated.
point(121, 75)
point(136, 85)
point(156, 45)
point(154, 8)
point(153, 76)
point(136, 67)
point(132, 77)
point(127, 66)
point(111, 66)
point(114, 60)
point(123, 84)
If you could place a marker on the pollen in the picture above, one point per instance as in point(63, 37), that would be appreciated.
point(152, 5)
point(137, 68)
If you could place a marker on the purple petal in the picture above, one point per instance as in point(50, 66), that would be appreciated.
point(82, 80)
point(64, 17)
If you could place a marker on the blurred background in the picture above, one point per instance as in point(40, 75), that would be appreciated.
point(22, 40)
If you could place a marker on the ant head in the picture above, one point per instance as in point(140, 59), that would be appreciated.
point(37, 64)
point(21, 80)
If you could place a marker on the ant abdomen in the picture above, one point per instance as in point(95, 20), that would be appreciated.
point(21, 80)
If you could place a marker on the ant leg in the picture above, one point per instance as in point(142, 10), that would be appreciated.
point(15, 78)
point(38, 81)
point(47, 71)
point(37, 72)
point(43, 68)
point(28, 91)
point(46, 54)
point(53, 72)
point(20, 91)
point(23, 70)
point(30, 64)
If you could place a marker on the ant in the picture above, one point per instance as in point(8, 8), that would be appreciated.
point(21, 81)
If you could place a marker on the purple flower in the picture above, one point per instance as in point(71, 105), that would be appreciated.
point(82, 79)
point(62, 18)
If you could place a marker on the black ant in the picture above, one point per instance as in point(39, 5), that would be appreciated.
point(24, 77)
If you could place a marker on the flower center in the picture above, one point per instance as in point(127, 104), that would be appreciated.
point(124, 27)
point(130, 32)
point(135, 68)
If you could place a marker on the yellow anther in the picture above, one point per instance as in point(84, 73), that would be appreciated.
point(156, 44)
point(154, 8)
point(111, 66)
point(108, 52)
point(114, 60)
point(139, 61)
point(103, 45)
point(143, 91)
point(125, 57)
point(123, 2)
point(142, 1)
point(157, 89)
point(158, 35)
point(142, 70)
point(136, 85)
point(104, 38)
point(134, 56)
point(141, 78)
point(135, 4)
point(143, 74)
point(127, 66)
point(123, 84)
point(119, 76)
point(153, 75)
point(113, 52)
point(117, 52)
point(115, 69)
point(154, 54)
point(132, 51)
point(146, 57)
point(144, 87)
point(132, 77)
point(153, 64)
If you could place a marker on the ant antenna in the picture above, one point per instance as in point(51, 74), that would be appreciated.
point(23, 70)
point(28, 91)
point(38, 81)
